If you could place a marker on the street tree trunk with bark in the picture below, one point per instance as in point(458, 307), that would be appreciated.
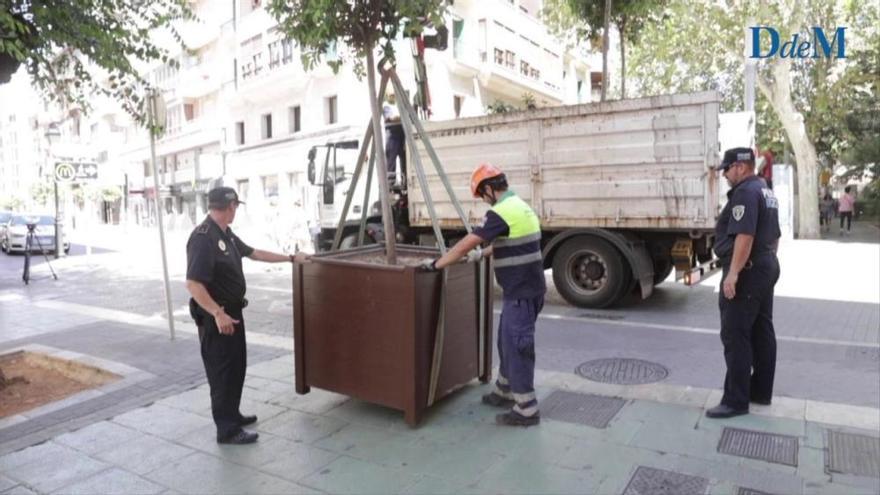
point(777, 90)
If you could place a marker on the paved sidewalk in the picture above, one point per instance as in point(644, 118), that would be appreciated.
point(594, 438)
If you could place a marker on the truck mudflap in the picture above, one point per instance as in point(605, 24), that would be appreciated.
point(640, 263)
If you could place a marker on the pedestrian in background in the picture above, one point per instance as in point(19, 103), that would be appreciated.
point(514, 231)
point(746, 240)
point(826, 211)
point(845, 209)
point(215, 280)
point(395, 141)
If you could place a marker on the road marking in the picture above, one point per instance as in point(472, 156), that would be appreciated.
point(703, 331)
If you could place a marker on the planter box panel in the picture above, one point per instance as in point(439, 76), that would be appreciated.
point(368, 330)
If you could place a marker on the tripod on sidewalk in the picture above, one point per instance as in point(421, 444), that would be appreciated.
point(28, 245)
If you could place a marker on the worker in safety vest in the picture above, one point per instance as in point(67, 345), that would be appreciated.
point(514, 232)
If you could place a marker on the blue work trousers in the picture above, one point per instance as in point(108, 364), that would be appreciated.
point(516, 351)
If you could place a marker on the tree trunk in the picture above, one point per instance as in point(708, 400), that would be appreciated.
point(778, 92)
point(605, 43)
point(620, 28)
point(382, 168)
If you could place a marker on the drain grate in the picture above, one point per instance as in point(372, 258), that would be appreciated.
point(750, 491)
point(849, 453)
point(584, 409)
point(652, 481)
point(770, 447)
point(622, 371)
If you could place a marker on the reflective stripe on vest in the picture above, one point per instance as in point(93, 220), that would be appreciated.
point(524, 228)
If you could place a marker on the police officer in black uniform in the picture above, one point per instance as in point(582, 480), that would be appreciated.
point(216, 282)
point(746, 239)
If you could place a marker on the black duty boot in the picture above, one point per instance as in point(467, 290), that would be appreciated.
point(247, 420)
point(495, 400)
point(513, 418)
point(725, 411)
point(240, 437)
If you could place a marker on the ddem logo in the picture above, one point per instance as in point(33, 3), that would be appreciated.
point(798, 48)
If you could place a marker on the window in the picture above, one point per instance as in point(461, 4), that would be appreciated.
point(274, 54)
point(242, 187)
point(266, 126)
point(332, 116)
point(499, 56)
point(286, 50)
point(270, 186)
point(239, 133)
point(457, 103)
point(524, 68)
point(189, 111)
point(294, 119)
point(509, 59)
point(457, 38)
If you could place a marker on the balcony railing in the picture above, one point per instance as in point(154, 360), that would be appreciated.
point(277, 54)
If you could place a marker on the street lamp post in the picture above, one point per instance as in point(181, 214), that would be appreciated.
point(52, 135)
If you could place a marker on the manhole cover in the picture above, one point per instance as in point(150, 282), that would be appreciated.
point(652, 481)
point(849, 453)
point(584, 409)
point(622, 371)
point(770, 447)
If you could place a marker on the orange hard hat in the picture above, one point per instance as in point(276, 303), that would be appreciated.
point(482, 172)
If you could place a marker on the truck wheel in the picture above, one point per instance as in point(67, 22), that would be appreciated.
point(662, 269)
point(350, 241)
point(589, 272)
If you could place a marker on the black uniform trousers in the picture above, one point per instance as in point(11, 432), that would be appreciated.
point(395, 146)
point(225, 359)
point(747, 333)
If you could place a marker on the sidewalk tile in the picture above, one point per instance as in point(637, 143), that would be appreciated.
point(36, 453)
point(522, 477)
point(98, 437)
point(301, 427)
point(362, 441)
point(163, 421)
point(63, 470)
point(113, 482)
point(811, 461)
point(263, 410)
point(260, 484)
point(19, 490)
point(761, 477)
point(203, 473)
point(6, 483)
point(457, 463)
point(315, 402)
point(281, 369)
point(767, 424)
point(349, 475)
point(144, 454)
point(299, 462)
point(434, 486)
point(371, 415)
point(825, 487)
point(196, 401)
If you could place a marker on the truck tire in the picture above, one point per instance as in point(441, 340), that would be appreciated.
point(589, 272)
point(662, 269)
point(350, 241)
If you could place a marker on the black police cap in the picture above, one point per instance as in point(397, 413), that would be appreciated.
point(221, 197)
point(734, 155)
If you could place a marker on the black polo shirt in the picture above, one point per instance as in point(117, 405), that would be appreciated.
point(751, 209)
point(213, 257)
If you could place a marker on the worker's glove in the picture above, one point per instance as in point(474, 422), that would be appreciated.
point(474, 255)
point(429, 265)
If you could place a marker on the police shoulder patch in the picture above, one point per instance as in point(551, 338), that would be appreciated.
point(203, 228)
point(738, 212)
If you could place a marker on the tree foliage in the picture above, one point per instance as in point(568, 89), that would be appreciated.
point(583, 20)
point(75, 49)
point(359, 25)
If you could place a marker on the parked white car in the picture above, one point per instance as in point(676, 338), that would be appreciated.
point(14, 235)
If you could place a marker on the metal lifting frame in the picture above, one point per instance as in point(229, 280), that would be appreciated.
point(409, 119)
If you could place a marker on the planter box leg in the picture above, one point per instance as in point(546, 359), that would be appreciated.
point(413, 416)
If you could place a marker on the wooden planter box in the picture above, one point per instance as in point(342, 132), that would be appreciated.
point(367, 329)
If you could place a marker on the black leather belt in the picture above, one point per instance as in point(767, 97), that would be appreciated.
point(238, 304)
